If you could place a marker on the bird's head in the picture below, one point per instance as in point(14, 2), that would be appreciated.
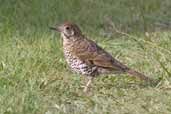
point(68, 30)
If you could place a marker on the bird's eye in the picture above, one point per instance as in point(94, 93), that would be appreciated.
point(67, 28)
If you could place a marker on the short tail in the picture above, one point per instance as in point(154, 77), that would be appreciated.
point(134, 73)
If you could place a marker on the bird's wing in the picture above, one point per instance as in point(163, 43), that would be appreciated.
point(91, 53)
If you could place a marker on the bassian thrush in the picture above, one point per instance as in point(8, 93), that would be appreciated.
point(85, 57)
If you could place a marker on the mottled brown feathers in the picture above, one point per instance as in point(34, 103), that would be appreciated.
point(84, 56)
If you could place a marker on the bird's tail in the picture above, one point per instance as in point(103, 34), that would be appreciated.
point(134, 73)
point(130, 71)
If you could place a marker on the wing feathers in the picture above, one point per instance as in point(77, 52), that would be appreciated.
point(90, 52)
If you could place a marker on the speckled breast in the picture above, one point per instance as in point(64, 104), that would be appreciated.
point(79, 66)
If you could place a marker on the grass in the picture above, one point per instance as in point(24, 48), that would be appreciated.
point(35, 79)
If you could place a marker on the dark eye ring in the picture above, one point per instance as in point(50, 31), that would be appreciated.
point(67, 28)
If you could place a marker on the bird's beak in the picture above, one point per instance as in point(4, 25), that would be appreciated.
point(59, 28)
point(52, 28)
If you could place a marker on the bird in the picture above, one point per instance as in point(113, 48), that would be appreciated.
point(84, 56)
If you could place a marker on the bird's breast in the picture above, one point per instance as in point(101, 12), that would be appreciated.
point(78, 65)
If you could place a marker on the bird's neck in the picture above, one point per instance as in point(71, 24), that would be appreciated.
point(71, 42)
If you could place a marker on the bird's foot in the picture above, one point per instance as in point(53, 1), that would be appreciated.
point(86, 89)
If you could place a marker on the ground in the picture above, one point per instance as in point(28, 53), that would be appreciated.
point(35, 79)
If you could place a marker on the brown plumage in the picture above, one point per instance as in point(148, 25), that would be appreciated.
point(84, 56)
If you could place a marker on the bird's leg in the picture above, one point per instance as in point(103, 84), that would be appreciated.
point(87, 86)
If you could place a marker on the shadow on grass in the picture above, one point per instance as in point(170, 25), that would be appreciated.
point(124, 82)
